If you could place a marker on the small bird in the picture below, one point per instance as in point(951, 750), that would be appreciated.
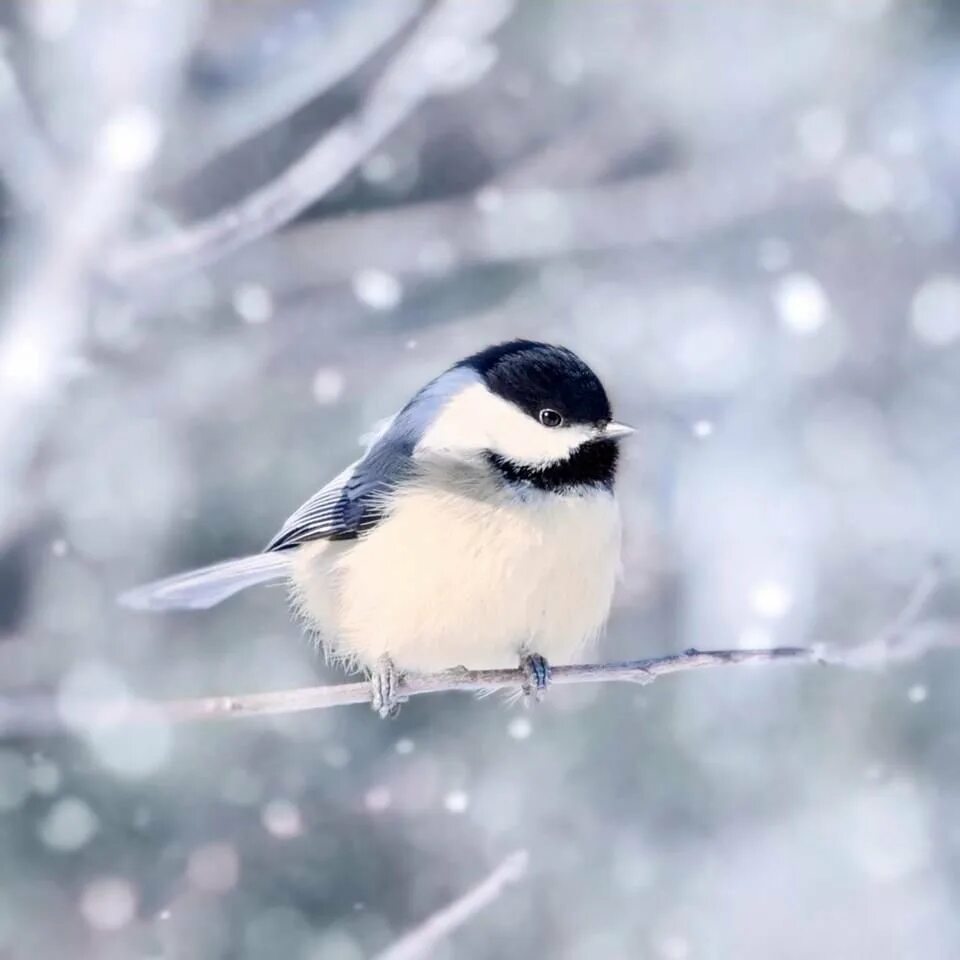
point(479, 530)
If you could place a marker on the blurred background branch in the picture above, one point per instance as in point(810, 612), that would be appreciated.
point(438, 48)
point(421, 941)
point(515, 225)
point(257, 74)
point(50, 282)
point(28, 166)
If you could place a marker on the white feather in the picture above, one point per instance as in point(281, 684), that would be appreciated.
point(461, 571)
point(476, 419)
point(462, 576)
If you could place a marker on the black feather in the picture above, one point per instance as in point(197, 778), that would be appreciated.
point(537, 375)
point(592, 465)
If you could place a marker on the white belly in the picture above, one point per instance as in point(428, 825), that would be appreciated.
point(452, 580)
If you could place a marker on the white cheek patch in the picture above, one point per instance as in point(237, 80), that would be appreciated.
point(476, 419)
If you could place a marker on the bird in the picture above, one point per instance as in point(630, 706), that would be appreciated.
point(479, 530)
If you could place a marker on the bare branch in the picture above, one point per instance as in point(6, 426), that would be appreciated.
point(903, 639)
point(534, 224)
point(583, 155)
point(899, 641)
point(44, 317)
point(631, 671)
point(27, 162)
point(419, 70)
point(37, 715)
point(305, 50)
point(420, 941)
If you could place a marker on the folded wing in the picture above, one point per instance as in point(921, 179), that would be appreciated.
point(347, 507)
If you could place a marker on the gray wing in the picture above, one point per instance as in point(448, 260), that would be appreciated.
point(352, 503)
point(357, 500)
point(349, 505)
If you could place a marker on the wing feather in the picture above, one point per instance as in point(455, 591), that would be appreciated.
point(356, 500)
point(349, 505)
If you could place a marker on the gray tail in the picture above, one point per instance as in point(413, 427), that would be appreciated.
point(206, 587)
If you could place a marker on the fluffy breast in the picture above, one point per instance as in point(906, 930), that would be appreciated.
point(454, 578)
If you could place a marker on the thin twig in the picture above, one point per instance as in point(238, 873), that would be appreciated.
point(902, 640)
point(305, 50)
point(21, 716)
point(37, 714)
point(421, 941)
point(420, 69)
point(928, 584)
point(898, 641)
point(631, 671)
point(620, 127)
point(27, 161)
point(524, 225)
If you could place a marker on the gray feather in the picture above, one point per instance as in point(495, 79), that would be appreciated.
point(356, 500)
point(206, 587)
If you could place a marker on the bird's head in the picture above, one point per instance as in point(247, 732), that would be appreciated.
point(533, 406)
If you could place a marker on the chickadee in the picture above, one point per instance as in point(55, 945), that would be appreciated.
point(480, 529)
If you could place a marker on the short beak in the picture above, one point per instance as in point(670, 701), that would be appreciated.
point(614, 430)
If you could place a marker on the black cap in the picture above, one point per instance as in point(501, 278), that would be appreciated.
point(535, 376)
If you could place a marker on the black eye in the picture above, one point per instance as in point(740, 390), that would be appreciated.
point(550, 418)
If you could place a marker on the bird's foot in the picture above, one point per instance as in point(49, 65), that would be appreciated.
point(385, 698)
point(536, 676)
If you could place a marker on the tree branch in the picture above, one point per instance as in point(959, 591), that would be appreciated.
point(669, 208)
point(305, 49)
point(900, 641)
point(337, 695)
point(28, 164)
point(419, 70)
point(420, 941)
point(44, 313)
point(23, 715)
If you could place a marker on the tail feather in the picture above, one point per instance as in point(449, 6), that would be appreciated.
point(206, 587)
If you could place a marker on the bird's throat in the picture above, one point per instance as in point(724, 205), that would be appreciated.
point(593, 464)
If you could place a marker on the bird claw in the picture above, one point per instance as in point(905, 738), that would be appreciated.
point(536, 676)
point(384, 688)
